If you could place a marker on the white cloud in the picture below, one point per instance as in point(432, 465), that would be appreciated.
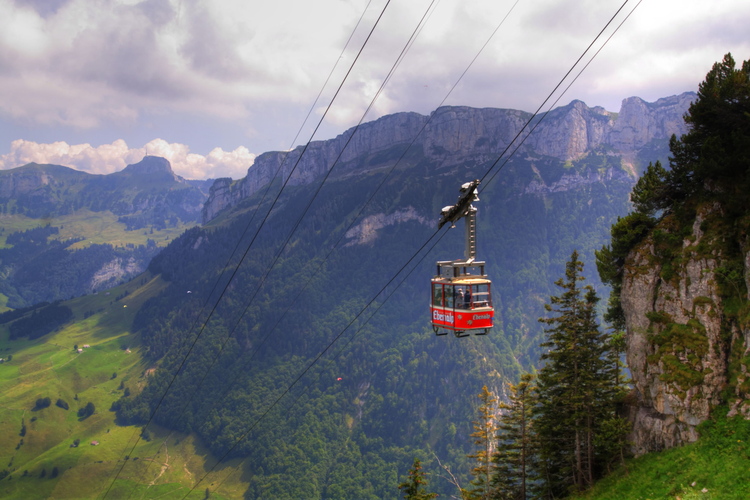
point(234, 65)
point(109, 158)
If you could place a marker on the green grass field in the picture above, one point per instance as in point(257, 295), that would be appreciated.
point(95, 227)
point(167, 466)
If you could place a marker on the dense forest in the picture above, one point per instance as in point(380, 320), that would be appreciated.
point(41, 322)
point(557, 431)
point(36, 267)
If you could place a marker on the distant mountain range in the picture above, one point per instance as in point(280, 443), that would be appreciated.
point(102, 228)
point(144, 194)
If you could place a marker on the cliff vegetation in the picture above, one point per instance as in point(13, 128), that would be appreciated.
point(679, 269)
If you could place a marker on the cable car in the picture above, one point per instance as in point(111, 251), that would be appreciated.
point(461, 295)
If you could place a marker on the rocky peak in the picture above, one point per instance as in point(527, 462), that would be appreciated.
point(639, 122)
point(151, 166)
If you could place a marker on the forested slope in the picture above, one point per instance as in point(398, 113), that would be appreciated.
point(387, 392)
point(65, 233)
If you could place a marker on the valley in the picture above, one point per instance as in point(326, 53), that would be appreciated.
point(282, 349)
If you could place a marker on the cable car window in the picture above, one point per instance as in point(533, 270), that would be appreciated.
point(482, 295)
point(448, 296)
point(437, 294)
point(461, 296)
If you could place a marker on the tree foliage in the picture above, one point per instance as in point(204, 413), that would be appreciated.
point(86, 411)
point(515, 457)
point(709, 163)
point(40, 322)
point(564, 430)
point(484, 441)
point(414, 488)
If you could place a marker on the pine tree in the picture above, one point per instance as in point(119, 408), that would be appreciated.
point(414, 487)
point(484, 435)
point(574, 389)
point(515, 456)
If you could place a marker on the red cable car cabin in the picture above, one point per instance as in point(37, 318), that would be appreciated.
point(461, 301)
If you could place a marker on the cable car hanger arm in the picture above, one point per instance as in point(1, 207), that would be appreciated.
point(463, 206)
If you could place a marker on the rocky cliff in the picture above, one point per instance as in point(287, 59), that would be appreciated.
point(684, 295)
point(455, 134)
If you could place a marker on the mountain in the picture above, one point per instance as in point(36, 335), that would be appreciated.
point(64, 232)
point(145, 193)
point(317, 374)
point(452, 134)
point(389, 388)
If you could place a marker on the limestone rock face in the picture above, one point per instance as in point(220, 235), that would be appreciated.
point(366, 231)
point(453, 134)
point(219, 196)
point(114, 271)
point(639, 122)
point(679, 340)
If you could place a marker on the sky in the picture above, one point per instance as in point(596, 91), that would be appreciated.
point(96, 85)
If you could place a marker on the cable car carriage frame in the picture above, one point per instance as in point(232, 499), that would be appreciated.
point(461, 292)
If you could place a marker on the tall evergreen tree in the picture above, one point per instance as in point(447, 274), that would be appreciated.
point(575, 387)
point(484, 436)
point(515, 456)
point(414, 487)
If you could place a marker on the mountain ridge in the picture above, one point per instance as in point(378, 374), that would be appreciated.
point(452, 132)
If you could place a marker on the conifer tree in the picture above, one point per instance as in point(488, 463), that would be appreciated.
point(515, 455)
point(414, 487)
point(484, 435)
point(574, 389)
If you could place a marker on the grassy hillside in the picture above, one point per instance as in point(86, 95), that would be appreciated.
point(50, 368)
point(716, 467)
point(94, 227)
point(70, 255)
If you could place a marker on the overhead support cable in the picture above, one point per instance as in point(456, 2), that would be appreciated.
point(489, 170)
point(370, 198)
point(153, 413)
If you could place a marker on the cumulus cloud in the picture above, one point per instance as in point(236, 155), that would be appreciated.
point(109, 158)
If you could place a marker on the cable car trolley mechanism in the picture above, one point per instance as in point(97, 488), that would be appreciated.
point(461, 297)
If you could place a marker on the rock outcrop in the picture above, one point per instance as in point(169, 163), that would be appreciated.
point(115, 271)
point(366, 231)
point(454, 134)
point(685, 346)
